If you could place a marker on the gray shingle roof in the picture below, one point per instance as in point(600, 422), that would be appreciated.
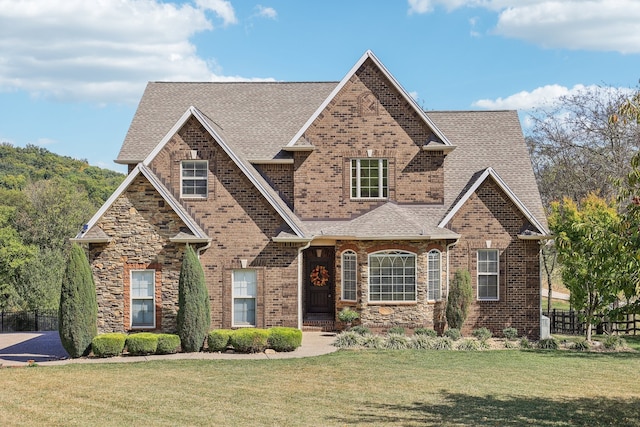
point(259, 118)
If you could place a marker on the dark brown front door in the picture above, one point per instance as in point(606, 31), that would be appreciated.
point(320, 280)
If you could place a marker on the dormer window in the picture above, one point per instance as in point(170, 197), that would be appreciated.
point(193, 178)
point(369, 179)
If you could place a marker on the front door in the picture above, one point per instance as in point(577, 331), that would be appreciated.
point(319, 281)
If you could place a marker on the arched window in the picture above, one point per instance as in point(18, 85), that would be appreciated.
point(392, 276)
point(434, 275)
point(349, 275)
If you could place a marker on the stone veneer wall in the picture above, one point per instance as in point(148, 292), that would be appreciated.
point(241, 224)
point(382, 315)
point(490, 220)
point(367, 114)
point(140, 224)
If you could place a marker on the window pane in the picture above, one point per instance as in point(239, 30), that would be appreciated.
point(349, 270)
point(244, 310)
point(397, 277)
point(142, 312)
point(369, 178)
point(245, 291)
point(194, 178)
point(142, 283)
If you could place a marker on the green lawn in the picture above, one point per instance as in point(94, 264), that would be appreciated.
point(404, 388)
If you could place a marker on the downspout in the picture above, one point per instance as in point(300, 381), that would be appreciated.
point(202, 249)
point(300, 284)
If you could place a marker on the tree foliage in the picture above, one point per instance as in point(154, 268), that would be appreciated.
point(576, 148)
point(596, 260)
point(194, 316)
point(459, 299)
point(78, 311)
point(44, 200)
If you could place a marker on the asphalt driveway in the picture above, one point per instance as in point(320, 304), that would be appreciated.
point(18, 348)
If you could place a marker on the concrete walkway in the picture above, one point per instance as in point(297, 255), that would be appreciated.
point(45, 349)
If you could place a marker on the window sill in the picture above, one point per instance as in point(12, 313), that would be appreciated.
point(488, 299)
point(392, 303)
point(368, 199)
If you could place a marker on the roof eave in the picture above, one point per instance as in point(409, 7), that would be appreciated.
point(445, 148)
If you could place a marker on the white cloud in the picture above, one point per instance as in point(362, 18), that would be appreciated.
point(600, 25)
point(266, 12)
point(527, 100)
point(43, 142)
point(103, 51)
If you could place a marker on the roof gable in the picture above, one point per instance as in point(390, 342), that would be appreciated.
point(245, 167)
point(196, 234)
point(298, 139)
point(490, 173)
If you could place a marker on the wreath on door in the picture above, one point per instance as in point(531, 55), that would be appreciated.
point(319, 276)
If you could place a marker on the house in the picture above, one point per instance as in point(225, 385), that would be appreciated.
point(304, 198)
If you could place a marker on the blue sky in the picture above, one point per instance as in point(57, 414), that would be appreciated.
point(72, 71)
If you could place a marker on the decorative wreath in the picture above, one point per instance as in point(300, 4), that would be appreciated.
point(319, 276)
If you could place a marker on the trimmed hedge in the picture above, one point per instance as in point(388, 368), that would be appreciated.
point(218, 339)
point(250, 340)
point(284, 339)
point(108, 345)
point(142, 343)
point(168, 344)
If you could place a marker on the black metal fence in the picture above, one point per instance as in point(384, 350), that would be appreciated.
point(570, 322)
point(24, 321)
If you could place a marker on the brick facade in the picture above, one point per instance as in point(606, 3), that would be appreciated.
point(368, 118)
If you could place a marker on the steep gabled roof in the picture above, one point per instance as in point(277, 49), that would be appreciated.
point(490, 173)
point(92, 233)
point(258, 118)
point(245, 166)
point(298, 139)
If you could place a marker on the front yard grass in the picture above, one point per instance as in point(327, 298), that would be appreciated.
point(408, 388)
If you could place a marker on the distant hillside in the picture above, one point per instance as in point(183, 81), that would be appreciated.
point(21, 166)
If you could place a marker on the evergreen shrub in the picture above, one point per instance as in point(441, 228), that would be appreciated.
point(510, 333)
point(482, 334)
point(459, 299)
point(142, 343)
point(78, 311)
point(397, 330)
point(425, 331)
point(108, 345)
point(249, 340)
point(284, 339)
point(168, 344)
point(362, 330)
point(194, 317)
point(453, 333)
point(218, 339)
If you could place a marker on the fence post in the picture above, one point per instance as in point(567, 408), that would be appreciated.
point(37, 328)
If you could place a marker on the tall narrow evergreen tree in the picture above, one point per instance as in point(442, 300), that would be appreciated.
point(78, 315)
point(459, 299)
point(194, 317)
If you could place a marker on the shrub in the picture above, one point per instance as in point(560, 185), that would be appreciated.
point(284, 339)
point(347, 315)
point(453, 333)
point(78, 310)
point(510, 333)
point(425, 331)
point(442, 343)
point(194, 315)
point(397, 330)
point(347, 339)
point(168, 344)
point(459, 300)
point(581, 345)
point(142, 343)
point(469, 344)
point(421, 341)
point(249, 340)
point(482, 334)
point(372, 341)
point(397, 342)
point(548, 344)
point(218, 339)
point(362, 330)
point(525, 343)
point(108, 345)
point(614, 342)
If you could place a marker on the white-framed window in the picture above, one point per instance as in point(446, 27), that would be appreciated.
point(434, 275)
point(143, 307)
point(349, 275)
point(245, 291)
point(392, 276)
point(488, 274)
point(193, 178)
point(369, 178)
